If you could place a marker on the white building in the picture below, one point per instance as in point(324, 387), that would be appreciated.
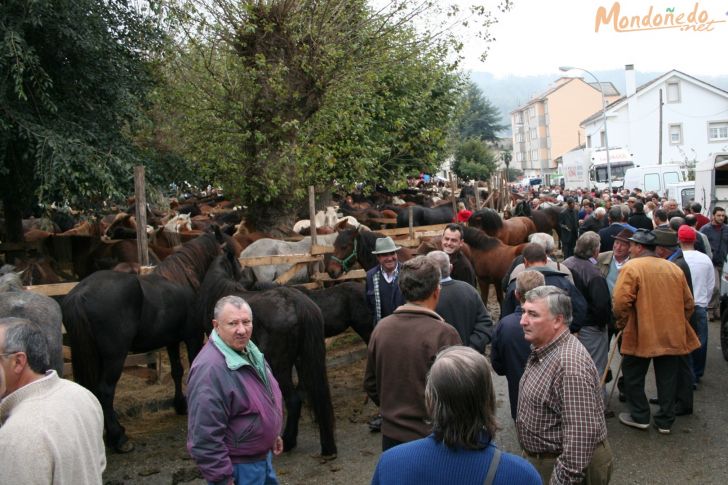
point(693, 120)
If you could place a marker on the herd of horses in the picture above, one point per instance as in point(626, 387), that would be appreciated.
point(111, 313)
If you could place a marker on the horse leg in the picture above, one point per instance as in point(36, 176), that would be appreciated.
point(484, 287)
point(180, 403)
point(294, 405)
point(115, 433)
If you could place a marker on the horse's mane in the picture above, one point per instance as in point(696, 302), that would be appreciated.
point(487, 219)
point(219, 281)
point(477, 239)
point(189, 264)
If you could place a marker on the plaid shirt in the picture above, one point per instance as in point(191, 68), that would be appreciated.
point(560, 408)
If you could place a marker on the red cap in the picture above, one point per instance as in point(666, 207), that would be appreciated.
point(686, 234)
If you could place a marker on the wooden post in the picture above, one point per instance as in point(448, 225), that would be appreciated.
point(411, 223)
point(141, 216)
point(477, 196)
point(312, 211)
point(454, 200)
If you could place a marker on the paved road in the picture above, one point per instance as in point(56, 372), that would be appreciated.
point(696, 451)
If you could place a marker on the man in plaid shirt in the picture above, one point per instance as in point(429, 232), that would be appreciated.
point(560, 418)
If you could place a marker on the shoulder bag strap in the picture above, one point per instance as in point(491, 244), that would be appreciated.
point(493, 467)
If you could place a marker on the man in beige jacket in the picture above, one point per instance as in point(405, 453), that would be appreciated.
point(653, 304)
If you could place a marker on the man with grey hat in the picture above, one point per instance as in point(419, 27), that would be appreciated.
point(610, 262)
point(652, 304)
point(382, 288)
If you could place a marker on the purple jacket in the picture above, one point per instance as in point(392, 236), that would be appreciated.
point(233, 417)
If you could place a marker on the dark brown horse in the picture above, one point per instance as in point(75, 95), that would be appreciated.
point(355, 246)
point(491, 260)
point(547, 219)
point(512, 231)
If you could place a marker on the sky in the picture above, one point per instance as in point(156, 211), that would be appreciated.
point(538, 36)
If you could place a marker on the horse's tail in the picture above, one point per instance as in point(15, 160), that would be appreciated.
point(312, 372)
point(84, 353)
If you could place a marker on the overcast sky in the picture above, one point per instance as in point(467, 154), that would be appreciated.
point(538, 36)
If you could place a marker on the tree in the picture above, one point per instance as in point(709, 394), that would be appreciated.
point(76, 74)
point(479, 118)
point(474, 160)
point(279, 95)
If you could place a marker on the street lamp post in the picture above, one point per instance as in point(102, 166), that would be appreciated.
point(604, 119)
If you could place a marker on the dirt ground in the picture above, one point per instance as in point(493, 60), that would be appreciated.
point(696, 452)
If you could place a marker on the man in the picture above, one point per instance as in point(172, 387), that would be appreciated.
point(560, 421)
point(51, 429)
point(701, 243)
point(717, 233)
point(534, 257)
point(461, 306)
point(452, 244)
point(235, 404)
point(652, 303)
point(382, 291)
point(659, 219)
point(569, 227)
point(670, 206)
point(701, 270)
point(546, 241)
point(402, 348)
point(594, 222)
point(610, 262)
point(593, 286)
point(701, 220)
point(606, 235)
point(509, 349)
point(639, 219)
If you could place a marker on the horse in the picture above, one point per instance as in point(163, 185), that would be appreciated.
point(108, 314)
point(344, 305)
point(352, 246)
point(275, 247)
point(426, 216)
point(289, 330)
point(547, 219)
point(45, 312)
point(491, 260)
point(512, 231)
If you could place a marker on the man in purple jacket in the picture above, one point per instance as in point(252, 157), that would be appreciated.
point(235, 404)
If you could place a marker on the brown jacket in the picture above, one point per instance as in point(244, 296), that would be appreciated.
point(402, 348)
point(652, 303)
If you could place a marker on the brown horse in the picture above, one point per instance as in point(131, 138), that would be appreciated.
point(547, 219)
point(491, 260)
point(512, 231)
point(355, 245)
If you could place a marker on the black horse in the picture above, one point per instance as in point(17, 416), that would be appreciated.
point(353, 246)
point(289, 329)
point(109, 314)
point(344, 305)
point(426, 216)
point(547, 219)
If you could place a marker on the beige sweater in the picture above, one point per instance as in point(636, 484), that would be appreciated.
point(51, 432)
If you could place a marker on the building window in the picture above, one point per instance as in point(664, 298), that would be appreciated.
point(519, 156)
point(532, 112)
point(534, 155)
point(534, 134)
point(675, 134)
point(518, 119)
point(588, 141)
point(602, 139)
point(673, 92)
point(545, 108)
point(718, 131)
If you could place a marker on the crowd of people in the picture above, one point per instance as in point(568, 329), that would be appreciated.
point(634, 268)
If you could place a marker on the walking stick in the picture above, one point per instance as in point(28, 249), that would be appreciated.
point(609, 365)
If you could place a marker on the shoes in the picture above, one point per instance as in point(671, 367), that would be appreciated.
point(626, 418)
point(375, 425)
point(663, 430)
point(608, 413)
point(654, 400)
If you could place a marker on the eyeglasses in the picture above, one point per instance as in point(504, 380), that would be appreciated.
point(5, 354)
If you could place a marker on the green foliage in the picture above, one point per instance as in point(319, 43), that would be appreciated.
point(474, 160)
point(479, 118)
point(76, 77)
point(514, 173)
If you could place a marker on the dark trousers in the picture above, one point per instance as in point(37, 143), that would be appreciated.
point(634, 370)
point(388, 443)
point(684, 391)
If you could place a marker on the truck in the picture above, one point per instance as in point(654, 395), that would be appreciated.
point(587, 169)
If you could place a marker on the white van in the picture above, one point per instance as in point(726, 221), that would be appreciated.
point(653, 178)
point(682, 192)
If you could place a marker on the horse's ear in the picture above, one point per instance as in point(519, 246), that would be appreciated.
point(218, 234)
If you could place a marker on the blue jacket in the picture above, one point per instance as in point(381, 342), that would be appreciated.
point(233, 417)
point(718, 239)
point(509, 352)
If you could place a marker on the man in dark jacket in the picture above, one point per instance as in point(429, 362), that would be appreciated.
point(595, 221)
point(717, 233)
point(509, 350)
point(534, 257)
point(638, 219)
point(615, 226)
point(452, 244)
point(569, 226)
point(593, 286)
point(382, 289)
point(462, 307)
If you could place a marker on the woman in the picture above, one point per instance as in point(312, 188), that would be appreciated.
point(461, 402)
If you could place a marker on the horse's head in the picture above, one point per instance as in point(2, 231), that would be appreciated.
point(344, 255)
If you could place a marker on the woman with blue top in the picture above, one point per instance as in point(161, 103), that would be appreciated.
point(461, 402)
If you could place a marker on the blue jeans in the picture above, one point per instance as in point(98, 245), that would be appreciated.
point(256, 473)
point(699, 355)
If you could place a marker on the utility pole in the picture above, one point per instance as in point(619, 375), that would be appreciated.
point(659, 151)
